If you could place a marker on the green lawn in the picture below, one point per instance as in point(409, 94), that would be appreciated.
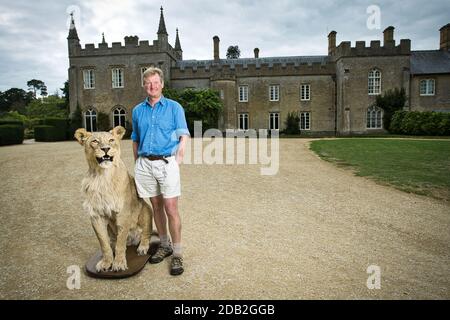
point(419, 166)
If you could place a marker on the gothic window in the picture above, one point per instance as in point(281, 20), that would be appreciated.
point(274, 93)
point(374, 118)
point(89, 79)
point(427, 87)
point(305, 92)
point(243, 93)
point(274, 123)
point(374, 82)
point(119, 117)
point(305, 121)
point(117, 78)
point(90, 120)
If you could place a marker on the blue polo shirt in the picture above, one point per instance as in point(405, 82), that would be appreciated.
point(158, 129)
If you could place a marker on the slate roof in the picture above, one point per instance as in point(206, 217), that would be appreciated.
point(296, 60)
point(430, 62)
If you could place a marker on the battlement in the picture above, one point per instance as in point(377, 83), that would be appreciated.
point(287, 66)
point(375, 49)
point(132, 46)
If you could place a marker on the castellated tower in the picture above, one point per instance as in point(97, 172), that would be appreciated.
point(107, 78)
point(364, 72)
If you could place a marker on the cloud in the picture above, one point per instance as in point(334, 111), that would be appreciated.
point(33, 35)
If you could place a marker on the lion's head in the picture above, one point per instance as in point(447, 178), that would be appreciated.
point(102, 149)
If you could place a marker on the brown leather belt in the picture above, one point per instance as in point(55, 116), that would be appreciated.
point(156, 157)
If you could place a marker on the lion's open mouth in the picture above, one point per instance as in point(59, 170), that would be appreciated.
point(104, 158)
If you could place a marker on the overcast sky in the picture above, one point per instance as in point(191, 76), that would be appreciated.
point(33, 34)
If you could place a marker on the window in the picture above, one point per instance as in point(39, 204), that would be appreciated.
point(89, 79)
point(374, 118)
point(142, 75)
point(243, 93)
point(305, 121)
point(119, 117)
point(427, 87)
point(117, 78)
point(243, 121)
point(90, 120)
point(274, 93)
point(305, 92)
point(274, 123)
point(374, 82)
point(222, 94)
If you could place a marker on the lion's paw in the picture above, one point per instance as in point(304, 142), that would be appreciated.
point(143, 249)
point(103, 265)
point(119, 264)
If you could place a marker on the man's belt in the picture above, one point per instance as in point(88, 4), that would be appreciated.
point(154, 157)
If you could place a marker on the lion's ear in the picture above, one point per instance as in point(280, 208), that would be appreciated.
point(81, 135)
point(118, 131)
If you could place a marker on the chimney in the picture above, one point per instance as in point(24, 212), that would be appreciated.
point(445, 37)
point(256, 51)
point(216, 48)
point(131, 40)
point(331, 42)
point(388, 34)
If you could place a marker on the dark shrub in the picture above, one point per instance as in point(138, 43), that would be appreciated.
point(11, 134)
point(49, 133)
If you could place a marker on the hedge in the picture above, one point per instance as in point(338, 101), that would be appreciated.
point(49, 133)
point(11, 134)
point(421, 123)
point(12, 122)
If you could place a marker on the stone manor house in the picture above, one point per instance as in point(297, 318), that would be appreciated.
point(333, 94)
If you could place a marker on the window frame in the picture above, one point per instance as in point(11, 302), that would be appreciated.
point(427, 87)
point(305, 118)
point(274, 118)
point(275, 93)
point(121, 73)
point(305, 92)
point(90, 74)
point(374, 115)
point(243, 93)
point(374, 82)
point(119, 109)
point(92, 117)
point(245, 119)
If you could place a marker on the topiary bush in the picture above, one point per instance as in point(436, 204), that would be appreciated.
point(49, 133)
point(11, 134)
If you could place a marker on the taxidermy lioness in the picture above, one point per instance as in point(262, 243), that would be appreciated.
point(118, 216)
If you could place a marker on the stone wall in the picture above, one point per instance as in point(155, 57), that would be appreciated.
point(439, 102)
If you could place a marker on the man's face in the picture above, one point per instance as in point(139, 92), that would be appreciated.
point(153, 86)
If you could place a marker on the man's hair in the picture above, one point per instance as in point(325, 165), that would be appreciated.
point(152, 71)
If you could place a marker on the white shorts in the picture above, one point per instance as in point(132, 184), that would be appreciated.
point(157, 177)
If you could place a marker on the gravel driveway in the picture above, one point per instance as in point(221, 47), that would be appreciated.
point(309, 232)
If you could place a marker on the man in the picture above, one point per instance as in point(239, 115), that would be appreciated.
point(159, 138)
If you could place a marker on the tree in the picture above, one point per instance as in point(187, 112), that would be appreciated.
point(292, 123)
point(199, 105)
point(15, 99)
point(65, 92)
point(44, 91)
point(391, 101)
point(233, 52)
point(35, 85)
point(47, 107)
